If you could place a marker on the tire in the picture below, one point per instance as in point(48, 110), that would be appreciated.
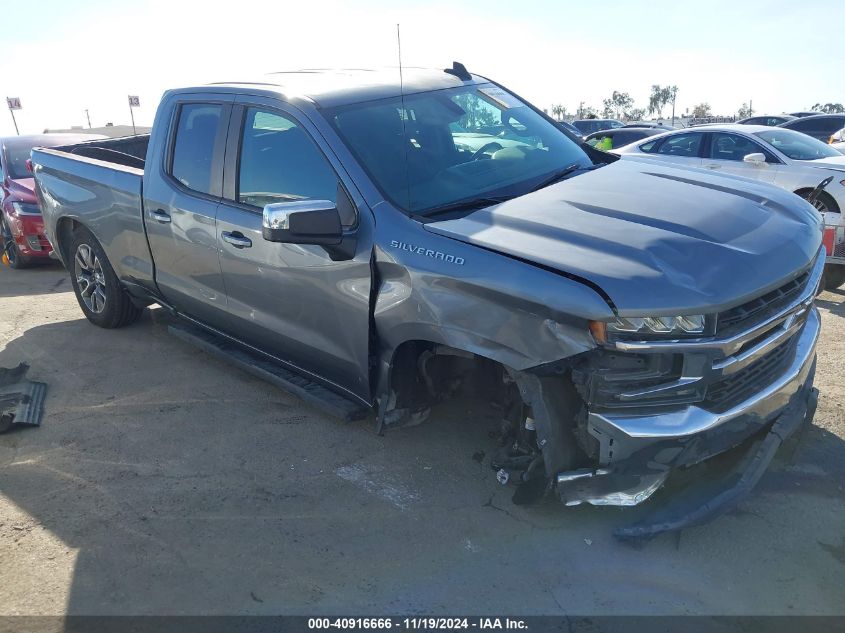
point(834, 276)
point(824, 203)
point(101, 296)
point(16, 259)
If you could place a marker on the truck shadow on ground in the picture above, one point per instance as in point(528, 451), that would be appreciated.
point(164, 482)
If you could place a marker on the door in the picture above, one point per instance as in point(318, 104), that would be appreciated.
point(181, 195)
point(725, 152)
point(680, 149)
point(298, 302)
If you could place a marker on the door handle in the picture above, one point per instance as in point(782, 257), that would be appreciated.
point(713, 166)
point(161, 216)
point(236, 239)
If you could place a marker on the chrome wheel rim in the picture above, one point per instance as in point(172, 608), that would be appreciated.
point(90, 280)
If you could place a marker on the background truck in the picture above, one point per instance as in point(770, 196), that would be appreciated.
point(381, 246)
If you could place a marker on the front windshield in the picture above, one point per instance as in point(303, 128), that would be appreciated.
point(16, 158)
point(797, 146)
point(458, 144)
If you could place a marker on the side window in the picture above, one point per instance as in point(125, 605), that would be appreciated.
point(623, 138)
point(649, 147)
point(732, 147)
point(803, 125)
point(829, 126)
point(686, 145)
point(193, 148)
point(280, 163)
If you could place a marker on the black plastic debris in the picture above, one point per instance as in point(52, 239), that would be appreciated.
point(21, 400)
point(705, 500)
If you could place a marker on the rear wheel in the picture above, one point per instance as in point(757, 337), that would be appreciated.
point(99, 292)
point(10, 248)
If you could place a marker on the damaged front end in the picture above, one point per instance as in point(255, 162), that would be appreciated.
point(651, 408)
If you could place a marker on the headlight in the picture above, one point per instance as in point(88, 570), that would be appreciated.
point(663, 326)
point(26, 208)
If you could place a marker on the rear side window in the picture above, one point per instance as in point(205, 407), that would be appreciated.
point(649, 147)
point(193, 148)
point(829, 126)
point(803, 125)
point(681, 145)
point(280, 163)
point(623, 138)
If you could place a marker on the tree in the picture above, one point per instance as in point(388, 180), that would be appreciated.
point(744, 111)
point(636, 114)
point(586, 112)
point(829, 108)
point(559, 111)
point(659, 97)
point(654, 104)
point(702, 111)
point(672, 95)
point(618, 105)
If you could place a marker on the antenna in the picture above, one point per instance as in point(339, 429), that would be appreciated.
point(404, 114)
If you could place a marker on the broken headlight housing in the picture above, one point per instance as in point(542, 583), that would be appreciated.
point(663, 327)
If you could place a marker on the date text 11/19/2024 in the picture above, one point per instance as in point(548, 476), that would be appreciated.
point(418, 624)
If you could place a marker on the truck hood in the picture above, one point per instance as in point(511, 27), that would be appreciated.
point(655, 240)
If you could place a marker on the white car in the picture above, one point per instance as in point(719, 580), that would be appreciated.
point(791, 160)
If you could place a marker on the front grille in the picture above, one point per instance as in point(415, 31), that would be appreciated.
point(747, 314)
point(839, 249)
point(746, 382)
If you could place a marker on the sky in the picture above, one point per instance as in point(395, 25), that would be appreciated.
point(62, 57)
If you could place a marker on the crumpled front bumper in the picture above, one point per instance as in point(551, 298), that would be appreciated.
point(638, 452)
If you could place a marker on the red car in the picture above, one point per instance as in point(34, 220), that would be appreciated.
point(22, 239)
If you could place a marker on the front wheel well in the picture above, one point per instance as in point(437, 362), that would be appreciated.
point(828, 199)
point(539, 409)
point(423, 373)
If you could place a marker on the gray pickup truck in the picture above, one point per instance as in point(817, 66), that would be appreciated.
point(382, 245)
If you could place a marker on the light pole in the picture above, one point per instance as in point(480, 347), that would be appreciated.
point(88, 116)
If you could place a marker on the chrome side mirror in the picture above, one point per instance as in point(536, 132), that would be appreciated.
point(302, 222)
point(757, 159)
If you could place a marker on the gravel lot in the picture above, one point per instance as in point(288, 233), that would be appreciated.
point(164, 482)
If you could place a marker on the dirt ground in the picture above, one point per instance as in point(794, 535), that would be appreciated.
point(164, 482)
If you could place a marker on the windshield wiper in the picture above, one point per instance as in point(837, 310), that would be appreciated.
point(468, 204)
point(561, 174)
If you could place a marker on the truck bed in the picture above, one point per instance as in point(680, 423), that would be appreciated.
point(100, 184)
point(129, 151)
